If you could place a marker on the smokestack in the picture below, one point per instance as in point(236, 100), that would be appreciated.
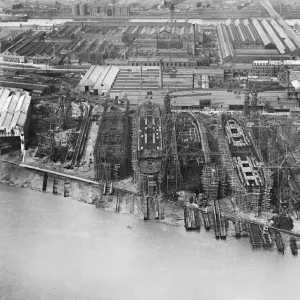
point(194, 40)
point(54, 52)
point(160, 74)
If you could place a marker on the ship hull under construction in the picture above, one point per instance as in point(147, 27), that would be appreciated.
point(247, 166)
point(112, 150)
point(189, 150)
point(149, 148)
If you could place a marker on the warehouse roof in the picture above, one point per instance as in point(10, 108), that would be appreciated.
point(91, 76)
point(246, 23)
point(262, 34)
point(4, 93)
point(290, 44)
point(274, 37)
point(279, 29)
point(107, 78)
point(15, 108)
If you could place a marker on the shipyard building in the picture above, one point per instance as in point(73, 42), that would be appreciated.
point(15, 117)
point(111, 79)
point(243, 41)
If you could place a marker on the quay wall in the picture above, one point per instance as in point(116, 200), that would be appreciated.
point(13, 174)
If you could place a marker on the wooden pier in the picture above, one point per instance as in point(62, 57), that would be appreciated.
point(279, 242)
point(255, 235)
point(219, 221)
point(293, 246)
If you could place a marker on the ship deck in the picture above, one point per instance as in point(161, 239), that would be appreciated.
point(246, 163)
point(149, 138)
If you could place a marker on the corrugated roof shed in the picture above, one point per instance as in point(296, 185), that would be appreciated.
point(18, 119)
point(23, 103)
point(107, 78)
point(229, 33)
point(235, 33)
point(290, 44)
point(11, 103)
point(246, 32)
point(242, 36)
point(97, 72)
point(254, 32)
point(4, 93)
point(274, 37)
point(266, 41)
point(124, 29)
point(279, 30)
point(15, 108)
point(5, 119)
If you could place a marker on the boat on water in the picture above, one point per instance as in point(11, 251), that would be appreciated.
point(13, 18)
point(294, 246)
point(243, 155)
point(189, 149)
point(150, 147)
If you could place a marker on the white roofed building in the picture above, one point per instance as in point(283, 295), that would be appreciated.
point(15, 117)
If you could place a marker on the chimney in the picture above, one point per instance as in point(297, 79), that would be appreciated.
point(194, 39)
point(160, 74)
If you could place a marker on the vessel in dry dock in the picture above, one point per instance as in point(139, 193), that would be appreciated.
point(149, 148)
point(189, 150)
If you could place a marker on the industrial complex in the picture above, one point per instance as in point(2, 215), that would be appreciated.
point(205, 117)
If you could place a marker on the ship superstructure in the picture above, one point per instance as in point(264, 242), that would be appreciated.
point(243, 155)
point(249, 179)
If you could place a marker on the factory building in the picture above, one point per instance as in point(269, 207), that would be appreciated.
point(242, 41)
point(111, 79)
point(188, 32)
point(111, 10)
point(98, 79)
point(15, 117)
point(33, 50)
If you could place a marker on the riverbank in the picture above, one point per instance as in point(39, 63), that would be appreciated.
point(12, 174)
point(128, 203)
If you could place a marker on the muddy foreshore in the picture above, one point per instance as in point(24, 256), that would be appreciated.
point(13, 174)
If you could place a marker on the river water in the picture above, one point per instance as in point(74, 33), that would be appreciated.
point(56, 248)
point(51, 22)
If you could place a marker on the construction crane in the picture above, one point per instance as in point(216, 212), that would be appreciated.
point(251, 92)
